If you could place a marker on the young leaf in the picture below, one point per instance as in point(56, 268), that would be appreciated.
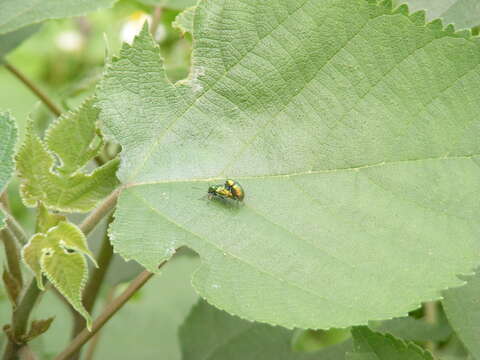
point(53, 171)
point(8, 136)
point(354, 131)
point(464, 14)
point(37, 328)
point(58, 254)
point(170, 4)
point(369, 345)
point(462, 306)
point(184, 20)
point(16, 14)
point(212, 334)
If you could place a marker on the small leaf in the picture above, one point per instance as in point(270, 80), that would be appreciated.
point(369, 345)
point(20, 13)
point(184, 20)
point(170, 4)
point(462, 306)
point(8, 138)
point(37, 328)
point(12, 286)
point(53, 172)
point(209, 333)
point(59, 255)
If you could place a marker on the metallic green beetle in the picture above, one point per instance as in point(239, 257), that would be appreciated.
point(235, 189)
point(219, 191)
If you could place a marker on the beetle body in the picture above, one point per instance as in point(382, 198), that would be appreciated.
point(236, 189)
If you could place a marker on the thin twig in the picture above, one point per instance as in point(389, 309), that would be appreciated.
point(12, 252)
point(27, 82)
point(98, 214)
point(13, 225)
point(156, 18)
point(96, 339)
point(431, 316)
point(110, 310)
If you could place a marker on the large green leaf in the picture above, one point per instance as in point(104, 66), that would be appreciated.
point(15, 14)
point(8, 136)
point(462, 306)
point(212, 334)
point(354, 131)
point(53, 171)
point(369, 345)
point(461, 13)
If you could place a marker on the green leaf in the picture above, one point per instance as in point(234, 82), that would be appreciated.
point(369, 345)
point(58, 254)
point(53, 171)
point(10, 41)
point(162, 306)
point(8, 136)
point(464, 14)
point(212, 334)
point(462, 306)
point(357, 148)
point(171, 4)
point(184, 20)
point(409, 328)
point(16, 14)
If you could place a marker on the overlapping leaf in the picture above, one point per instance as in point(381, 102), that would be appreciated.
point(212, 334)
point(10, 41)
point(15, 14)
point(184, 20)
point(462, 13)
point(53, 171)
point(8, 136)
point(369, 345)
point(462, 307)
point(59, 254)
point(353, 129)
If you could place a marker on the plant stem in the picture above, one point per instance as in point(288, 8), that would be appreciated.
point(12, 224)
point(27, 82)
point(97, 215)
point(430, 316)
point(13, 254)
point(109, 311)
point(157, 16)
point(90, 294)
point(20, 318)
point(96, 339)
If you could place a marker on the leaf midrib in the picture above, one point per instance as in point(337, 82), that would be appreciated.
point(309, 172)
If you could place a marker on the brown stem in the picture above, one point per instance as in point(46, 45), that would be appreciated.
point(12, 252)
point(27, 82)
point(96, 339)
point(97, 215)
point(430, 315)
point(157, 16)
point(109, 311)
point(13, 225)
